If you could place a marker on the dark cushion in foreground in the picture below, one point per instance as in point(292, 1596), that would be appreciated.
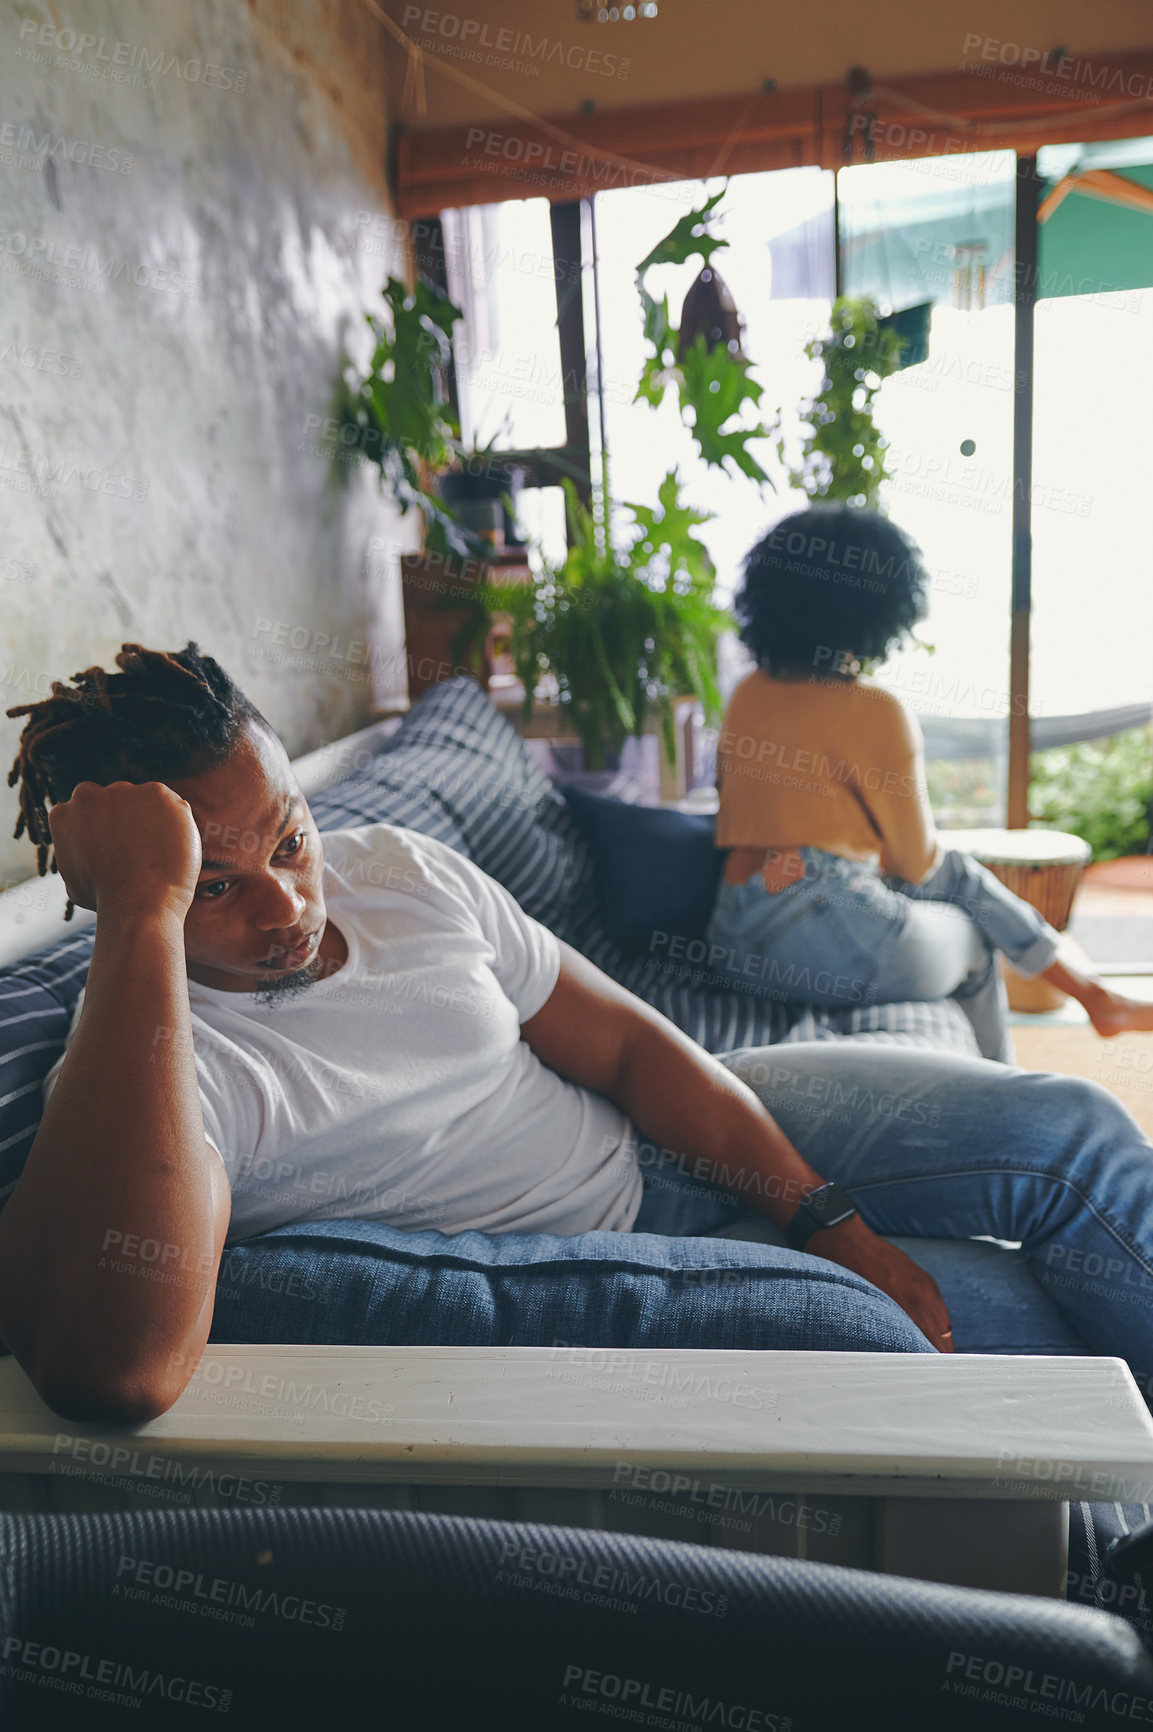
point(422, 1623)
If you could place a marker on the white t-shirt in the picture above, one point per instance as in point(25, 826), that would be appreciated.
point(399, 1089)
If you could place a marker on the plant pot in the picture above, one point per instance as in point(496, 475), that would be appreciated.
point(474, 493)
point(430, 583)
point(632, 774)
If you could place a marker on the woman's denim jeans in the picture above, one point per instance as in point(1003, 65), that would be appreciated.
point(935, 1146)
point(843, 935)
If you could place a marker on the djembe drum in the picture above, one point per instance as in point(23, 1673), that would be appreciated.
point(1042, 867)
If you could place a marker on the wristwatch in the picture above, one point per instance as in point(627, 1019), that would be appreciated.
point(827, 1206)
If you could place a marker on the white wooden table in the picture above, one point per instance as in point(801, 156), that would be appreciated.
point(948, 1468)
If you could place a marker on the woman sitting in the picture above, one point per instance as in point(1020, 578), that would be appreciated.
point(837, 889)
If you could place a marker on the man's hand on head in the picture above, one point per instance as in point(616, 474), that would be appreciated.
point(128, 846)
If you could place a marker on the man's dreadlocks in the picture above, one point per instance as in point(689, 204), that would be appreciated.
point(165, 716)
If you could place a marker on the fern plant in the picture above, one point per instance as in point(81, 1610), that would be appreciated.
point(620, 630)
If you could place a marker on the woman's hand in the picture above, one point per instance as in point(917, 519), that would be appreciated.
point(855, 1246)
point(128, 846)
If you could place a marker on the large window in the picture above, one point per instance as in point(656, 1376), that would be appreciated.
point(940, 231)
point(1092, 585)
point(937, 231)
point(499, 262)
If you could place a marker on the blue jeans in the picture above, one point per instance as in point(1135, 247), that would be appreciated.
point(843, 935)
point(935, 1146)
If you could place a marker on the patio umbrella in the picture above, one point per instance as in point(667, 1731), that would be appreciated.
point(1095, 218)
point(953, 237)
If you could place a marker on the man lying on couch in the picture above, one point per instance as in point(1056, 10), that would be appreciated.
point(281, 1025)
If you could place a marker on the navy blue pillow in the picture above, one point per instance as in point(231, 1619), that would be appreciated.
point(658, 869)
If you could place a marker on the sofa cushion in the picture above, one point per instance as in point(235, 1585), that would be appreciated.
point(1092, 1528)
point(361, 1282)
point(367, 798)
point(37, 999)
point(455, 744)
point(657, 869)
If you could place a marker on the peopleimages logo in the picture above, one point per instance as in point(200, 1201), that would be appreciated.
point(62, 149)
point(471, 41)
point(43, 255)
point(121, 62)
point(1101, 77)
point(220, 1591)
point(120, 1459)
point(579, 1572)
point(536, 161)
point(66, 1669)
point(632, 1694)
point(1016, 1684)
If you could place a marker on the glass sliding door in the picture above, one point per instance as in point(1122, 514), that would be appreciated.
point(941, 231)
point(1092, 568)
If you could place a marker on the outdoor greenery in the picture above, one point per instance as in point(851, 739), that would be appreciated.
point(843, 455)
point(1098, 789)
point(965, 793)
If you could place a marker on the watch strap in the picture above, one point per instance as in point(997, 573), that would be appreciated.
point(827, 1206)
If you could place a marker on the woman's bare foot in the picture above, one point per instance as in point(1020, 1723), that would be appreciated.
point(1108, 1012)
point(1112, 1013)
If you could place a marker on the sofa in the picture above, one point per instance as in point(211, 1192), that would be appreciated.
point(294, 1618)
point(455, 769)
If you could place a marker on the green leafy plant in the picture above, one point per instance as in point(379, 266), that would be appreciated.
point(712, 383)
point(843, 455)
point(400, 410)
point(1098, 789)
point(619, 630)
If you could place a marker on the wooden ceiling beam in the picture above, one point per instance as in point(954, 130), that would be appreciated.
point(568, 156)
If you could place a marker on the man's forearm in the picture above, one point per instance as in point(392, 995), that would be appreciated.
point(685, 1100)
point(108, 1252)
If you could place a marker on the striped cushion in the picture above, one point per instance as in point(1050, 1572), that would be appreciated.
point(396, 799)
point(456, 744)
point(36, 1003)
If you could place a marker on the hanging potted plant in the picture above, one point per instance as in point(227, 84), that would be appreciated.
point(843, 454)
